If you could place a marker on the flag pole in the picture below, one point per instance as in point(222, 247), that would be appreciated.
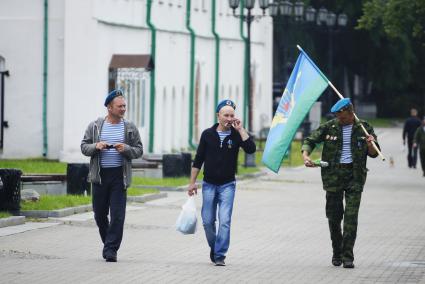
point(341, 97)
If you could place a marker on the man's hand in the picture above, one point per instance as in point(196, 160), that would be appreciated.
point(415, 145)
point(307, 160)
point(370, 139)
point(101, 145)
point(119, 147)
point(192, 189)
point(370, 149)
point(237, 124)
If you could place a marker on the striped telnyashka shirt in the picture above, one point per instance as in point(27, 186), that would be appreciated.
point(111, 134)
point(346, 144)
point(223, 135)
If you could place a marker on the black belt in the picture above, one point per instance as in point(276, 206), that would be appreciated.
point(344, 166)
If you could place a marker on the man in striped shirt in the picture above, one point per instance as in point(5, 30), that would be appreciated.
point(111, 143)
point(345, 148)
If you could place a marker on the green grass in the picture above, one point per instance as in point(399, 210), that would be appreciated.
point(384, 122)
point(54, 202)
point(132, 191)
point(4, 214)
point(294, 158)
point(171, 182)
point(35, 166)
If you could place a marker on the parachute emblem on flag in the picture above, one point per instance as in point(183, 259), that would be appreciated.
point(286, 105)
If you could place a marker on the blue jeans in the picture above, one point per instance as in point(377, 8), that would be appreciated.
point(223, 196)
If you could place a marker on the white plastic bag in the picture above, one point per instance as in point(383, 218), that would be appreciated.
point(186, 222)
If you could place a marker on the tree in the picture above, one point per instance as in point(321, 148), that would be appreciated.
point(384, 44)
point(397, 31)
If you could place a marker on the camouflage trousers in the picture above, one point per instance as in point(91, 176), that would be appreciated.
point(343, 241)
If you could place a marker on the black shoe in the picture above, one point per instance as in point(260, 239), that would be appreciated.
point(348, 264)
point(336, 261)
point(111, 258)
point(220, 262)
point(212, 256)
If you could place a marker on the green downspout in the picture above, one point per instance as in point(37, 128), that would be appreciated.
point(45, 65)
point(246, 74)
point(152, 78)
point(192, 72)
point(217, 56)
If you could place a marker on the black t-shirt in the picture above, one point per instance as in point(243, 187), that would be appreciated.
point(410, 126)
point(220, 159)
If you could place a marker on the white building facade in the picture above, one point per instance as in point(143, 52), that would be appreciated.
point(174, 59)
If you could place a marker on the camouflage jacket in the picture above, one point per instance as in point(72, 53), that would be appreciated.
point(330, 134)
point(420, 137)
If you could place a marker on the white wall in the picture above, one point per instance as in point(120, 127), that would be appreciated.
point(21, 45)
point(83, 36)
point(90, 44)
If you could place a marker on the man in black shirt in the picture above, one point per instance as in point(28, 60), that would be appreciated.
point(410, 126)
point(218, 151)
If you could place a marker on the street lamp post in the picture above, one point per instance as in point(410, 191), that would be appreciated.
point(321, 17)
point(332, 22)
point(249, 18)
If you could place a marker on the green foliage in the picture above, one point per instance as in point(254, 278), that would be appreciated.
point(54, 202)
point(396, 18)
point(397, 32)
point(35, 166)
point(4, 214)
point(383, 44)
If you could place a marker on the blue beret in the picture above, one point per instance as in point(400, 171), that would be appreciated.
point(225, 103)
point(340, 104)
point(112, 95)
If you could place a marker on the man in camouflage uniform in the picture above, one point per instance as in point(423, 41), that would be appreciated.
point(345, 148)
point(419, 142)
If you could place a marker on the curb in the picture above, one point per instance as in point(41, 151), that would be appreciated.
point(56, 213)
point(59, 213)
point(163, 188)
point(183, 188)
point(12, 221)
point(253, 175)
point(147, 197)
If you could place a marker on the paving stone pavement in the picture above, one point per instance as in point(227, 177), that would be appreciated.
point(279, 235)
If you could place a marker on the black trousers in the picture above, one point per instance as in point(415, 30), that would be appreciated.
point(412, 154)
point(110, 196)
point(422, 155)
